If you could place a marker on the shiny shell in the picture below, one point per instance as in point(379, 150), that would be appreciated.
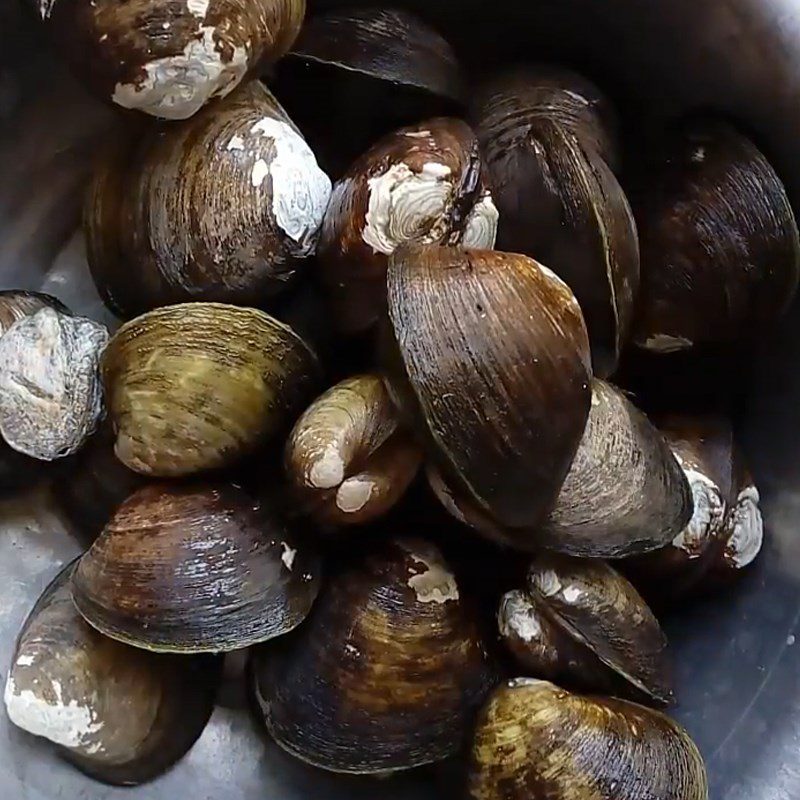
point(225, 207)
point(51, 397)
point(598, 608)
point(195, 569)
point(346, 458)
point(169, 59)
point(488, 353)
point(535, 740)
point(719, 241)
point(421, 184)
point(558, 94)
point(391, 66)
point(561, 204)
point(195, 387)
point(386, 673)
point(121, 715)
point(625, 492)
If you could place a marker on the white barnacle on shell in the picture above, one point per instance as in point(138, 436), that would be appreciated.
point(746, 529)
point(408, 206)
point(300, 189)
point(708, 515)
point(518, 617)
point(480, 230)
point(175, 87)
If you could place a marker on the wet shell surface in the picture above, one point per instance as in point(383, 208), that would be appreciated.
point(193, 570)
point(197, 386)
point(487, 354)
point(121, 715)
point(535, 740)
point(386, 673)
point(224, 207)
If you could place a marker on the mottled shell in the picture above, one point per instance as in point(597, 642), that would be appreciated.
point(121, 715)
point(193, 570)
point(625, 492)
point(597, 607)
point(225, 207)
point(18, 471)
point(719, 241)
point(195, 387)
point(169, 59)
point(386, 673)
point(561, 204)
point(535, 740)
point(421, 184)
point(346, 458)
point(51, 397)
point(488, 353)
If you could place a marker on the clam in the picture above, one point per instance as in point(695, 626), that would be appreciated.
point(169, 59)
point(386, 673)
point(347, 460)
point(560, 202)
point(583, 623)
point(122, 716)
point(224, 207)
point(355, 74)
point(197, 386)
point(51, 397)
point(487, 355)
point(421, 184)
point(195, 569)
point(719, 242)
point(534, 739)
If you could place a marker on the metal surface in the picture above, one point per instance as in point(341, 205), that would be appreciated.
point(737, 656)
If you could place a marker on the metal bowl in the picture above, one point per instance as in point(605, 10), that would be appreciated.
point(738, 656)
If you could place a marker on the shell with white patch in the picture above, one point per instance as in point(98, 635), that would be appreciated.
point(226, 207)
point(169, 60)
point(367, 684)
point(419, 185)
point(99, 700)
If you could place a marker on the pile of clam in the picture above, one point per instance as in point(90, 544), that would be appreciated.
point(379, 409)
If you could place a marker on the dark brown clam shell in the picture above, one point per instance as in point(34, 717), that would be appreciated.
point(193, 570)
point(387, 672)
